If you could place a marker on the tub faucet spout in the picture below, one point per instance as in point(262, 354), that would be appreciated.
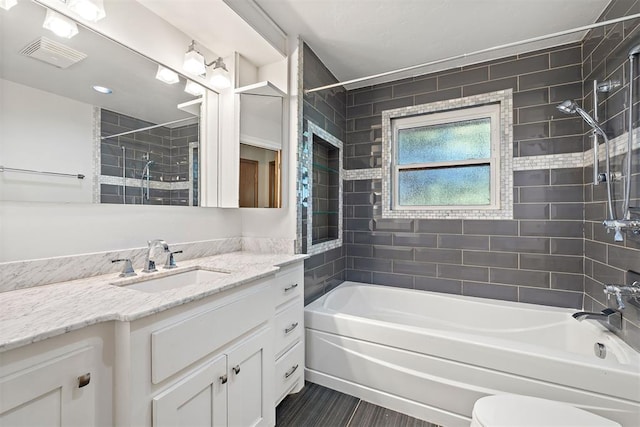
point(611, 319)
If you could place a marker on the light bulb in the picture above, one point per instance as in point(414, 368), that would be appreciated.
point(193, 88)
point(91, 10)
point(8, 4)
point(220, 76)
point(60, 25)
point(166, 75)
point(194, 63)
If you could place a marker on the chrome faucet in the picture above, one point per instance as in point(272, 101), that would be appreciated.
point(611, 319)
point(621, 291)
point(149, 264)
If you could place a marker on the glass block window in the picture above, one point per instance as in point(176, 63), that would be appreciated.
point(446, 160)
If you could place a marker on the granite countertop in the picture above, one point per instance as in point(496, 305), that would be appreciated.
point(34, 314)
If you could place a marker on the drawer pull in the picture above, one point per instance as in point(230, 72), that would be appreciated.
point(291, 328)
point(290, 371)
point(236, 369)
point(84, 380)
point(223, 379)
point(288, 288)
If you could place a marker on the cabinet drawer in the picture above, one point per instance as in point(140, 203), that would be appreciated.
point(289, 326)
point(289, 368)
point(54, 389)
point(289, 283)
point(175, 347)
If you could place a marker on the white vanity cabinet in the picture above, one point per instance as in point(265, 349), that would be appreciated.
point(207, 363)
point(226, 390)
point(63, 381)
point(288, 330)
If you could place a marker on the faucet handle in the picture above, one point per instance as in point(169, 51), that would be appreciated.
point(127, 269)
point(171, 263)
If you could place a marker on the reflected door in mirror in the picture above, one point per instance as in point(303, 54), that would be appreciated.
point(248, 183)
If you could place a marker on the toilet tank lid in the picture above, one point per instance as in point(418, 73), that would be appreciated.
point(525, 411)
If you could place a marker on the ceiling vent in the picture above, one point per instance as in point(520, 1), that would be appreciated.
point(53, 52)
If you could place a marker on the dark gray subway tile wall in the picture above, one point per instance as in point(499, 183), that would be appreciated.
point(327, 110)
point(538, 80)
point(487, 258)
point(497, 259)
point(605, 56)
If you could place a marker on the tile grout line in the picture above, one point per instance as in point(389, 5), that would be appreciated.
point(353, 414)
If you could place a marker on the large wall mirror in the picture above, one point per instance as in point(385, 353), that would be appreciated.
point(323, 191)
point(136, 142)
point(261, 136)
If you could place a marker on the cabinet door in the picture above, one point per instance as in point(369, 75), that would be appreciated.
point(199, 399)
point(50, 393)
point(251, 382)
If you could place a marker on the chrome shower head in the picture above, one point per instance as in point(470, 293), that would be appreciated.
point(570, 107)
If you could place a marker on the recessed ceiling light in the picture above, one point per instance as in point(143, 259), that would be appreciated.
point(102, 89)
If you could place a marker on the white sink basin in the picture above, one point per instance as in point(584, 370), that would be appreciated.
point(178, 280)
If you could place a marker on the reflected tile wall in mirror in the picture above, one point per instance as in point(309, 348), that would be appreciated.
point(167, 147)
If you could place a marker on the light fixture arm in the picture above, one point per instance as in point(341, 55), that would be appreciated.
point(218, 63)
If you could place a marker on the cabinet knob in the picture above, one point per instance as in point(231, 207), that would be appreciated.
point(84, 380)
point(291, 328)
point(290, 371)
point(223, 379)
point(236, 369)
point(288, 288)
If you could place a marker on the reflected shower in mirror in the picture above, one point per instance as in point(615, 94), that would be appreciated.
point(88, 105)
point(323, 192)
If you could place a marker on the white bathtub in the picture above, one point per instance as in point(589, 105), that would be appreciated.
point(433, 355)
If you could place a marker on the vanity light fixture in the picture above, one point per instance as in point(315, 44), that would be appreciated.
point(220, 75)
point(194, 61)
point(166, 75)
point(194, 88)
point(60, 25)
point(8, 4)
point(91, 10)
point(102, 89)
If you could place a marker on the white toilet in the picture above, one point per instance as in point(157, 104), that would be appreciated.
point(512, 410)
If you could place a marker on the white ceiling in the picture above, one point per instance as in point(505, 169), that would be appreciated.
point(356, 38)
point(213, 24)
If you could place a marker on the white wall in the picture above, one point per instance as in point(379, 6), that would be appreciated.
point(42, 230)
point(46, 132)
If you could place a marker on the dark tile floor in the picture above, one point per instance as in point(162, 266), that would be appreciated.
point(317, 406)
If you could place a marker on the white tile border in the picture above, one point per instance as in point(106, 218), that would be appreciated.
point(505, 98)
